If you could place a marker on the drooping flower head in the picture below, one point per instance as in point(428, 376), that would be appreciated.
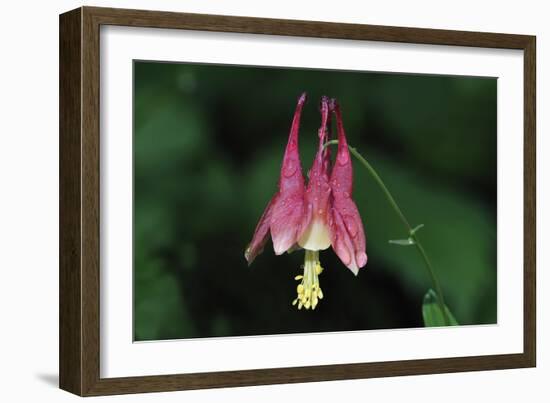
point(317, 216)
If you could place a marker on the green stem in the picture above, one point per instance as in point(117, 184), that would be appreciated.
point(410, 230)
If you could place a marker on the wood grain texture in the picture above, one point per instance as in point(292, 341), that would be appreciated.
point(316, 29)
point(90, 201)
point(80, 196)
point(70, 271)
point(530, 202)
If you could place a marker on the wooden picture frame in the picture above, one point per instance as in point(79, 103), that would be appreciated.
point(80, 187)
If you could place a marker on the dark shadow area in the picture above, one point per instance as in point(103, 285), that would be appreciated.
point(49, 379)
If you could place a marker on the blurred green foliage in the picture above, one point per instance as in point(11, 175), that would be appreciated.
point(208, 143)
point(432, 311)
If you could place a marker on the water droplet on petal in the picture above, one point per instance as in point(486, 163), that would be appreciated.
point(343, 158)
point(346, 195)
point(351, 226)
point(289, 169)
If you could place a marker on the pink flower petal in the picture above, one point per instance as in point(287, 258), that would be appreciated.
point(286, 219)
point(318, 189)
point(261, 233)
point(348, 235)
point(283, 215)
point(291, 179)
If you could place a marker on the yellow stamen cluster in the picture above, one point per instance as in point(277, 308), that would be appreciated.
point(309, 292)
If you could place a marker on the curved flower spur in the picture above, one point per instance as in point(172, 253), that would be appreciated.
point(316, 217)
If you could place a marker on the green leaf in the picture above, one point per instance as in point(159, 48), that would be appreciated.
point(402, 242)
point(413, 231)
point(433, 316)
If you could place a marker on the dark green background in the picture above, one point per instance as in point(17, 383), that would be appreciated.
point(208, 143)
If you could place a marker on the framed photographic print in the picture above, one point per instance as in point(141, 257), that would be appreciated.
point(249, 201)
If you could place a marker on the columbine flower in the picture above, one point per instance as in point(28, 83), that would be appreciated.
point(316, 217)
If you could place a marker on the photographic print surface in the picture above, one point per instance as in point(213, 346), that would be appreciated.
point(216, 146)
